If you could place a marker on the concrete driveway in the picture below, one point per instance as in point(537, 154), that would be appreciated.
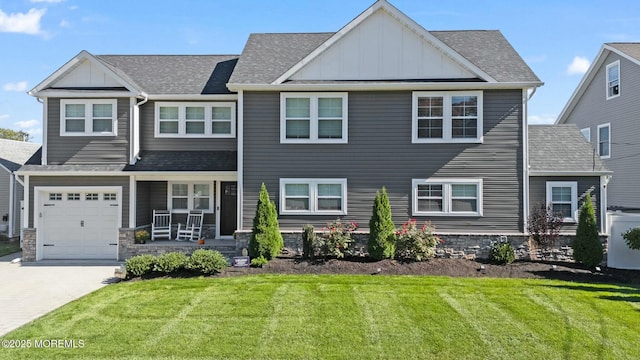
point(30, 290)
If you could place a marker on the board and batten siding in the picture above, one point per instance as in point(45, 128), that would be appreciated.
point(81, 181)
point(149, 142)
point(380, 153)
point(73, 150)
point(538, 194)
point(623, 113)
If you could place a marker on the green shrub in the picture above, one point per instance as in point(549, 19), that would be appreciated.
point(139, 265)
point(266, 239)
point(632, 238)
point(544, 226)
point(259, 261)
point(416, 244)
point(336, 239)
point(142, 236)
point(170, 262)
point(587, 248)
point(309, 240)
point(381, 244)
point(502, 253)
point(207, 262)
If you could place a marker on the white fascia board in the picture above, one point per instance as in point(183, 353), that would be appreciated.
point(85, 94)
point(194, 97)
point(186, 176)
point(403, 18)
point(569, 173)
point(580, 89)
point(144, 175)
point(384, 86)
point(76, 60)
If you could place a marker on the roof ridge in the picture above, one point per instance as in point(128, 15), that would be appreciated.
point(168, 55)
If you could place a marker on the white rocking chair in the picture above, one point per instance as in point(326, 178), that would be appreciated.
point(192, 230)
point(161, 225)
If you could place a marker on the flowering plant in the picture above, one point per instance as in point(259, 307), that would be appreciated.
point(413, 243)
point(336, 238)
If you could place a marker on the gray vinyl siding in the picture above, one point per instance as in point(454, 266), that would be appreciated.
point(538, 193)
point(380, 153)
point(5, 180)
point(623, 112)
point(148, 141)
point(63, 150)
point(49, 181)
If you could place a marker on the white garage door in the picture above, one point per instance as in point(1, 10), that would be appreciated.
point(79, 225)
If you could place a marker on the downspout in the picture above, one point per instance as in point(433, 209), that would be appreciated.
point(45, 123)
point(604, 182)
point(135, 129)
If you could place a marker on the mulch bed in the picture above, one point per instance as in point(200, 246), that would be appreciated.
point(443, 267)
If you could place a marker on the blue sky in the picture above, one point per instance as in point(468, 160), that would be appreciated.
point(558, 39)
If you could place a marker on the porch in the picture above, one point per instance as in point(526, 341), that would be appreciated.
point(128, 248)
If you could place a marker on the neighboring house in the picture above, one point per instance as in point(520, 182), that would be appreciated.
point(562, 170)
point(13, 154)
point(605, 107)
point(439, 118)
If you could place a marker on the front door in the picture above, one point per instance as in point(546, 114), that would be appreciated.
point(228, 208)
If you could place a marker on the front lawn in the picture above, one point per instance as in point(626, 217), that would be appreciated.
point(344, 317)
point(9, 247)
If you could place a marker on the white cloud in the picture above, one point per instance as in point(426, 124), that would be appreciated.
point(19, 86)
point(25, 23)
point(27, 124)
point(64, 24)
point(578, 66)
point(542, 119)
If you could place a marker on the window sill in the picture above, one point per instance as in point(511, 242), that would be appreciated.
point(89, 134)
point(447, 141)
point(194, 136)
point(440, 214)
point(307, 141)
point(314, 213)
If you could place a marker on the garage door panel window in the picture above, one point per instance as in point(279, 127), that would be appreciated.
point(110, 197)
point(187, 196)
point(73, 196)
point(92, 196)
point(55, 197)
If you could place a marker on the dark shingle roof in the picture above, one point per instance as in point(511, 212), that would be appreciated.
point(267, 56)
point(13, 154)
point(186, 161)
point(631, 49)
point(174, 74)
point(71, 168)
point(562, 148)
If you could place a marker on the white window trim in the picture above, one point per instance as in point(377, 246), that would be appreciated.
point(610, 137)
point(447, 121)
point(190, 196)
point(182, 121)
point(88, 116)
point(615, 63)
point(313, 122)
point(447, 196)
point(574, 197)
point(586, 132)
point(313, 196)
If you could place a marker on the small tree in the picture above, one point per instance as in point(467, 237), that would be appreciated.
point(309, 240)
point(381, 243)
point(266, 239)
point(632, 238)
point(587, 248)
point(544, 226)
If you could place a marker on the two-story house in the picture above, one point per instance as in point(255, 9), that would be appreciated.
point(323, 119)
point(605, 107)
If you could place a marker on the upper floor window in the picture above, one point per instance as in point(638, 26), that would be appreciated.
point(313, 196)
point(586, 132)
point(447, 117)
point(562, 198)
point(447, 197)
point(604, 141)
point(613, 79)
point(196, 119)
point(95, 117)
point(313, 118)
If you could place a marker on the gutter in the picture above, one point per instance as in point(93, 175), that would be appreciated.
point(366, 86)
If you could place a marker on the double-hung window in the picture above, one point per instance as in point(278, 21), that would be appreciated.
point(195, 120)
point(447, 197)
point(95, 117)
point(185, 196)
point(313, 118)
point(313, 196)
point(604, 141)
point(562, 198)
point(447, 117)
point(613, 80)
